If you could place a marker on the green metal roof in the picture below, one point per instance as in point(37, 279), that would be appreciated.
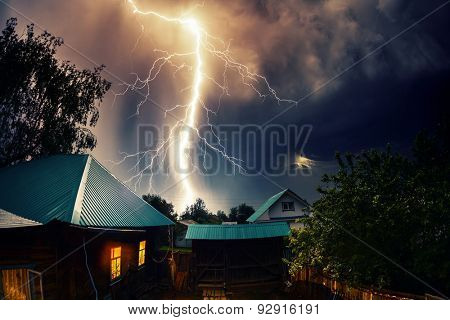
point(270, 202)
point(74, 189)
point(42, 190)
point(237, 231)
point(108, 202)
point(9, 220)
point(265, 206)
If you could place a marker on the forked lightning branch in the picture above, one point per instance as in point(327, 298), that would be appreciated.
point(186, 128)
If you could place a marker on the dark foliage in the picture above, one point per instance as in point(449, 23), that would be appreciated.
point(385, 202)
point(222, 215)
point(240, 213)
point(160, 204)
point(46, 106)
point(200, 214)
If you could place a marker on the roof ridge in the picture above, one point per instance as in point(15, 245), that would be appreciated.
point(266, 205)
point(295, 194)
point(78, 201)
point(118, 180)
point(238, 225)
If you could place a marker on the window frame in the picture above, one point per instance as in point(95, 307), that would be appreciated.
point(144, 253)
point(290, 206)
point(117, 266)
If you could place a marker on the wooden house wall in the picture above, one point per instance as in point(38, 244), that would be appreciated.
point(58, 252)
point(237, 263)
point(28, 248)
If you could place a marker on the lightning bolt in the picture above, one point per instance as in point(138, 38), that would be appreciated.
point(180, 134)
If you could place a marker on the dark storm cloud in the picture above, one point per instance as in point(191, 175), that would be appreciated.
point(301, 44)
point(386, 99)
point(298, 45)
point(327, 43)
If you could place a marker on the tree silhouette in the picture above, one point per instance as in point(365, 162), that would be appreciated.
point(46, 105)
point(241, 213)
point(222, 215)
point(199, 213)
point(399, 206)
point(160, 204)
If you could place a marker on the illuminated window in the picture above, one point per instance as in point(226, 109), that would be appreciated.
point(115, 262)
point(141, 253)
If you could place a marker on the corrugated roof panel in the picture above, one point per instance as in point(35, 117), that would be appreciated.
point(109, 203)
point(47, 189)
point(9, 220)
point(43, 189)
point(265, 206)
point(237, 231)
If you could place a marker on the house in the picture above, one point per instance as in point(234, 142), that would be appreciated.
point(70, 230)
point(229, 260)
point(284, 206)
point(180, 231)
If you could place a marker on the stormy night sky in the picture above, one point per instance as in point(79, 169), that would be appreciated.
point(300, 46)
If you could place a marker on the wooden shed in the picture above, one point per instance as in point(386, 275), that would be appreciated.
point(70, 230)
point(232, 258)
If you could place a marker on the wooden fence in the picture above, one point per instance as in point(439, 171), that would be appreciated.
point(311, 284)
point(308, 283)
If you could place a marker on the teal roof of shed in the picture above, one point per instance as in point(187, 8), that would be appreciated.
point(74, 189)
point(237, 231)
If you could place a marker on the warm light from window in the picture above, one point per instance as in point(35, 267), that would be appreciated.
point(116, 254)
point(141, 253)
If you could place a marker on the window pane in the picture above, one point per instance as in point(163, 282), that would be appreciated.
point(115, 262)
point(288, 206)
point(116, 252)
point(115, 268)
point(141, 259)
